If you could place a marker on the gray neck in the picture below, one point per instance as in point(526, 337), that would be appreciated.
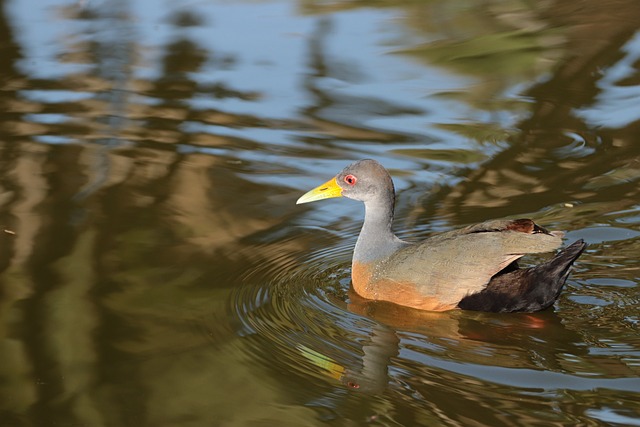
point(376, 240)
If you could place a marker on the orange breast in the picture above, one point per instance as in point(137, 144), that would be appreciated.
point(385, 289)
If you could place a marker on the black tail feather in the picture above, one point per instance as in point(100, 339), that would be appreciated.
point(530, 289)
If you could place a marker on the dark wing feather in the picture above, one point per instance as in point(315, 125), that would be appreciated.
point(531, 289)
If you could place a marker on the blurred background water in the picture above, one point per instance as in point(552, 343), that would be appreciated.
point(155, 270)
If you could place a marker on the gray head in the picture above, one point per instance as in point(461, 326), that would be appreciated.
point(365, 180)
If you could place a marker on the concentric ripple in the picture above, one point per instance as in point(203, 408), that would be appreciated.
point(296, 305)
point(299, 317)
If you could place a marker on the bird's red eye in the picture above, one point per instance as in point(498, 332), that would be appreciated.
point(350, 179)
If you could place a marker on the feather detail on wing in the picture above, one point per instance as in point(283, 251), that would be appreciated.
point(451, 265)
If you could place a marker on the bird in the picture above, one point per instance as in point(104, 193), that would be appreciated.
point(472, 268)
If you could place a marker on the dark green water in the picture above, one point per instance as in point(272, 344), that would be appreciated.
point(155, 270)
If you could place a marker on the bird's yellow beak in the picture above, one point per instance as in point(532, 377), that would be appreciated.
point(325, 191)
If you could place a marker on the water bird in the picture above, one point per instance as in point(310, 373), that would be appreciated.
point(472, 268)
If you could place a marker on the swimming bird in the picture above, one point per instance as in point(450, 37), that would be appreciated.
point(473, 268)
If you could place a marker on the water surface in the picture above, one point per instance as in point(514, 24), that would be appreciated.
point(155, 270)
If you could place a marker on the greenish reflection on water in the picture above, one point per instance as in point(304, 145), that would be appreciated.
point(155, 270)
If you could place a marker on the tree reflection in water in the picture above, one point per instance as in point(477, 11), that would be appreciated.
point(155, 270)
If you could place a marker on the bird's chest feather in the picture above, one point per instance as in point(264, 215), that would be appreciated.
point(369, 282)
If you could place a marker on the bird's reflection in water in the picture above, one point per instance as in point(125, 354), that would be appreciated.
point(370, 374)
point(530, 341)
point(431, 361)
